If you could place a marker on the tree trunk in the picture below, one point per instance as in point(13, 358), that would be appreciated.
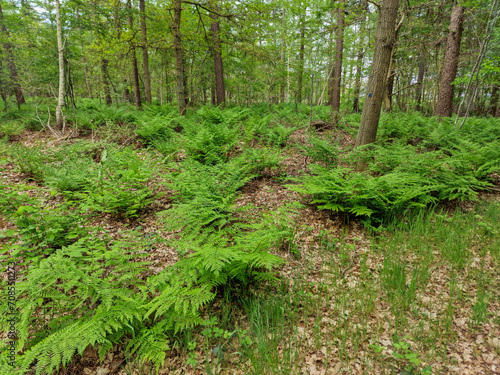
point(218, 63)
point(60, 99)
point(69, 91)
point(420, 81)
point(357, 82)
point(11, 63)
point(444, 106)
point(3, 87)
point(337, 69)
point(301, 61)
point(282, 78)
point(182, 96)
point(105, 82)
point(389, 89)
point(145, 58)
point(282, 57)
point(133, 61)
point(494, 108)
point(385, 39)
point(359, 60)
point(87, 81)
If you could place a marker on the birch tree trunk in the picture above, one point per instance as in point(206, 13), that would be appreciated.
point(145, 58)
point(301, 61)
point(60, 98)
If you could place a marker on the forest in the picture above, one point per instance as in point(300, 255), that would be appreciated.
point(249, 187)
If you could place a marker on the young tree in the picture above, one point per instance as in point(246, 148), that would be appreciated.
point(182, 96)
point(337, 70)
point(385, 39)
point(60, 99)
point(444, 106)
point(133, 59)
point(359, 57)
point(145, 58)
point(301, 59)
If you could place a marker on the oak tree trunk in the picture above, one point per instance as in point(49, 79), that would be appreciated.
point(444, 105)
point(145, 58)
point(385, 39)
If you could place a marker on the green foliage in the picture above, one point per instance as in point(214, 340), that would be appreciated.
point(11, 129)
point(91, 114)
point(321, 151)
point(344, 190)
point(401, 176)
point(121, 184)
point(90, 292)
point(29, 161)
point(211, 141)
point(205, 194)
point(41, 229)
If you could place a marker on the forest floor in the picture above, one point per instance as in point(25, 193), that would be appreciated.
point(348, 299)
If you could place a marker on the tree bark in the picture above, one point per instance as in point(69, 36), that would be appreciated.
point(60, 99)
point(389, 88)
point(11, 63)
point(3, 87)
point(301, 61)
point(87, 81)
point(385, 39)
point(69, 91)
point(145, 58)
point(282, 57)
point(133, 61)
point(494, 107)
point(359, 60)
point(220, 90)
point(337, 69)
point(444, 106)
point(420, 81)
point(182, 95)
point(105, 82)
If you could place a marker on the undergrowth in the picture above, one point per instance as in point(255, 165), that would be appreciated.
point(80, 285)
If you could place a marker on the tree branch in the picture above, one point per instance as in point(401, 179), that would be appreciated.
point(404, 88)
point(208, 10)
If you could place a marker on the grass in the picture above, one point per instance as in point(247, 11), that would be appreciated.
point(396, 301)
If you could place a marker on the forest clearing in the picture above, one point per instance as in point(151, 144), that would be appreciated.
point(223, 193)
